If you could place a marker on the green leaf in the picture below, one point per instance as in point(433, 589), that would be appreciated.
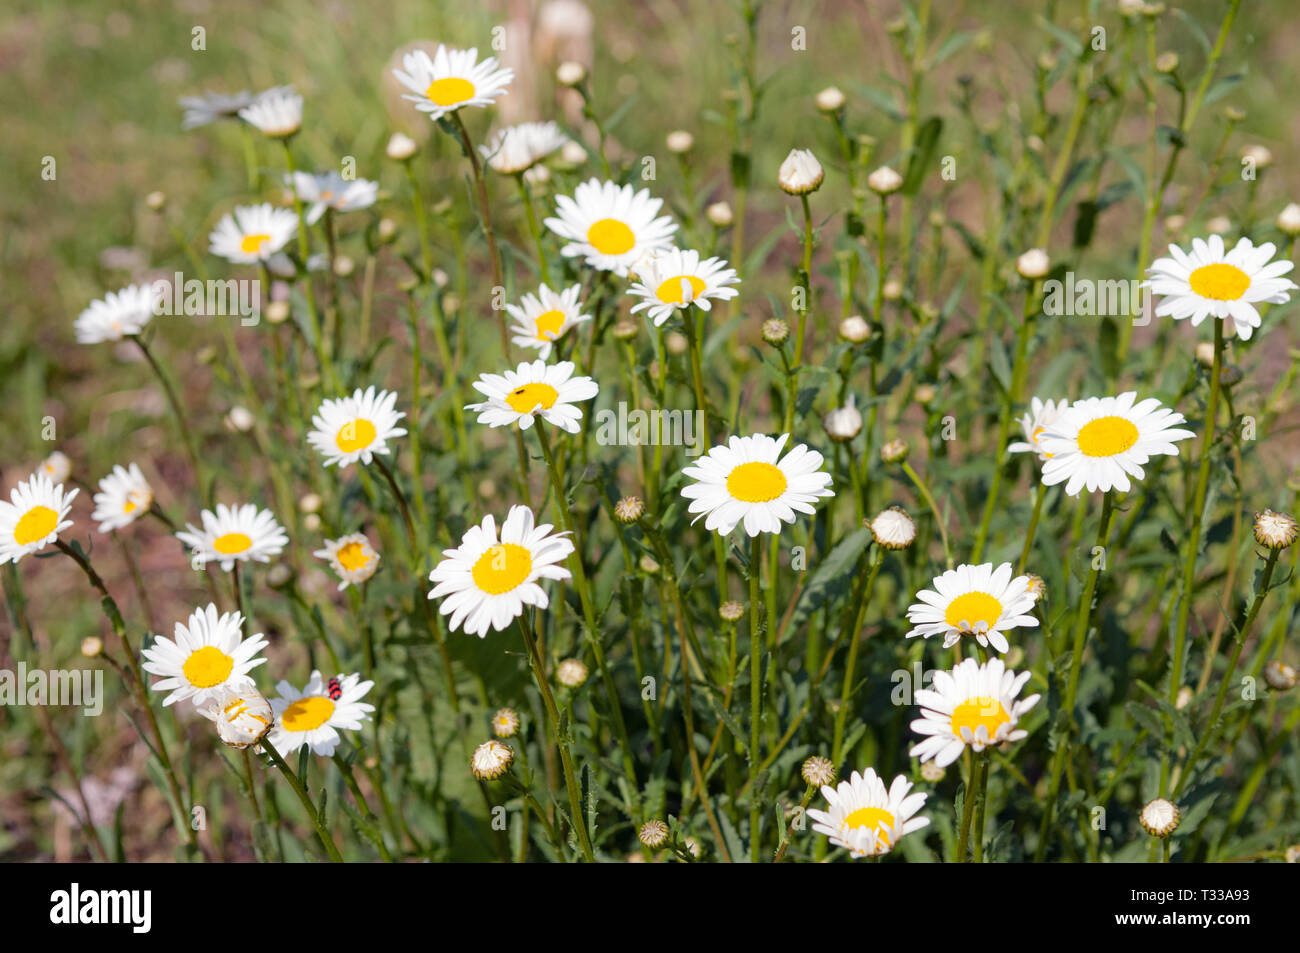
point(927, 141)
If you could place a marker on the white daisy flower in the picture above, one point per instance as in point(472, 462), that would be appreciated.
point(356, 428)
point(865, 818)
point(973, 600)
point(1042, 414)
point(743, 480)
point(611, 227)
point(1100, 442)
point(314, 715)
point(331, 191)
point(235, 533)
point(518, 148)
point(543, 318)
point(1211, 281)
point(204, 657)
point(972, 705)
point(208, 108)
point(678, 279)
point(241, 717)
point(124, 496)
point(118, 314)
point(56, 466)
point(351, 557)
point(276, 112)
point(37, 512)
point(451, 79)
point(252, 233)
point(549, 391)
point(487, 580)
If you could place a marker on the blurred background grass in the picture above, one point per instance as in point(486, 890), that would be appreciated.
point(95, 86)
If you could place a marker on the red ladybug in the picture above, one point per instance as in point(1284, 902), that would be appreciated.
point(335, 689)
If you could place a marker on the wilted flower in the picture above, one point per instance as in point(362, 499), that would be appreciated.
point(242, 716)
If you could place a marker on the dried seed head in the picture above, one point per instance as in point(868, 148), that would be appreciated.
point(1160, 817)
point(1280, 676)
point(629, 509)
point(653, 833)
point(817, 771)
point(895, 451)
point(571, 672)
point(731, 611)
point(1274, 530)
point(855, 329)
point(775, 331)
point(893, 528)
point(505, 723)
point(491, 760)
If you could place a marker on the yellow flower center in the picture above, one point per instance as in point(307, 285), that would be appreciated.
point(549, 324)
point(526, 398)
point(610, 237)
point(450, 91)
point(352, 557)
point(1220, 282)
point(971, 608)
point(670, 291)
point(252, 244)
point(982, 710)
point(756, 482)
point(355, 435)
point(1106, 436)
point(873, 818)
point(129, 506)
point(502, 568)
point(307, 713)
point(232, 544)
point(35, 524)
point(207, 666)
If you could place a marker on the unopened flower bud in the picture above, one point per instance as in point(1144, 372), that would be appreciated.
point(571, 672)
point(1033, 264)
point(800, 173)
point(855, 329)
point(884, 181)
point(895, 451)
point(818, 771)
point(830, 100)
point(720, 214)
point(401, 147)
point(775, 331)
point(491, 760)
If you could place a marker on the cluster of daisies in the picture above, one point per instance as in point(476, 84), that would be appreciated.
point(757, 482)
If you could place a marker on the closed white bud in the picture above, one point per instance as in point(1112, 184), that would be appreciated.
point(1033, 263)
point(570, 73)
point(720, 214)
point(843, 423)
point(401, 146)
point(800, 173)
point(830, 100)
point(1288, 220)
point(884, 181)
point(679, 141)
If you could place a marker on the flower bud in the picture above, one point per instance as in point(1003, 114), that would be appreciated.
point(1160, 817)
point(679, 141)
point(895, 451)
point(855, 329)
point(1033, 264)
point(653, 833)
point(843, 423)
point(401, 147)
point(818, 771)
point(629, 509)
point(775, 331)
point(505, 723)
point(800, 173)
point(884, 181)
point(491, 760)
point(571, 672)
point(570, 73)
point(893, 528)
point(1288, 220)
point(720, 214)
point(830, 100)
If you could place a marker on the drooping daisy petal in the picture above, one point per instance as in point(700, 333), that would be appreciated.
point(277, 112)
point(864, 817)
point(486, 581)
point(543, 318)
point(1042, 414)
point(209, 107)
point(124, 496)
point(118, 314)
point(973, 704)
point(677, 279)
point(331, 191)
point(747, 481)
